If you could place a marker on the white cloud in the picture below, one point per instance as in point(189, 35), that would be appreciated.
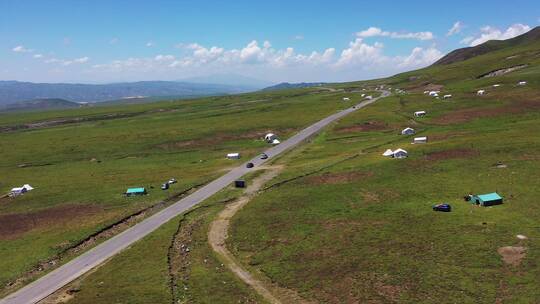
point(455, 29)
point(419, 57)
point(66, 62)
point(164, 58)
point(298, 37)
point(81, 60)
point(38, 56)
point(377, 32)
point(149, 44)
point(467, 40)
point(492, 33)
point(77, 60)
point(359, 52)
point(21, 49)
point(264, 60)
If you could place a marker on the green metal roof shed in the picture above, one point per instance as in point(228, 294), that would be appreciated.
point(136, 191)
point(488, 199)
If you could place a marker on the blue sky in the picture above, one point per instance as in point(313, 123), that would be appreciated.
point(108, 41)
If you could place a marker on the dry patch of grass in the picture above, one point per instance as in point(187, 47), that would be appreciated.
point(373, 125)
point(512, 255)
point(338, 178)
point(14, 224)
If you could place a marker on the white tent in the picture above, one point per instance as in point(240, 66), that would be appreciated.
point(17, 191)
point(369, 97)
point(270, 137)
point(434, 93)
point(388, 153)
point(420, 140)
point(400, 153)
point(233, 156)
point(426, 92)
point(407, 131)
point(346, 99)
point(362, 95)
point(522, 83)
point(419, 113)
point(496, 85)
point(276, 142)
point(480, 92)
point(447, 96)
point(20, 190)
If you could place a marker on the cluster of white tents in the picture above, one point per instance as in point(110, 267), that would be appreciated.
point(270, 138)
point(483, 91)
point(436, 94)
point(20, 190)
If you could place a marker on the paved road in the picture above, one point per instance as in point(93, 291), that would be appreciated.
point(46, 285)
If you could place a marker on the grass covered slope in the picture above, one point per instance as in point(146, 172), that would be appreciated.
point(81, 161)
point(362, 229)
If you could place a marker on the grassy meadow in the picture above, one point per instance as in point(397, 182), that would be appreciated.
point(81, 161)
point(362, 230)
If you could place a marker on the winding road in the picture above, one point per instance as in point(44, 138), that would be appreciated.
point(56, 279)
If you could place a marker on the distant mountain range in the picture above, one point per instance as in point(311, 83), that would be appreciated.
point(40, 104)
point(231, 80)
point(287, 85)
point(15, 91)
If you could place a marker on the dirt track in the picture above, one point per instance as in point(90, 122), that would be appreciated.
point(218, 233)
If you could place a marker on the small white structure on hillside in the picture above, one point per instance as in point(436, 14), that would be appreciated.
point(346, 99)
point(233, 156)
point(496, 85)
point(434, 93)
point(407, 131)
point(522, 83)
point(20, 190)
point(363, 94)
point(420, 140)
point(369, 97)
point(447, 96)
point(480, 92)
point(270, 137)
point(388, 153)
point(275, 142)
point(420, 113)
point(400, 153)
point(426, 92)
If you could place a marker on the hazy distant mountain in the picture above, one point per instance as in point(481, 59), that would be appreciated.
point(286, 85)
point(40, 104)
point(230, 79)
point(15, 91)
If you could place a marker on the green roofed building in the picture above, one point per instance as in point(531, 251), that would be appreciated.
point(488, 199)
point(136, 191)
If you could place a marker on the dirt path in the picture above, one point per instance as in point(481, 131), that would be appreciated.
point(218, 233)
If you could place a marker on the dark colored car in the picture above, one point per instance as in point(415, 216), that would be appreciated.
point(264, 156)
point(442, 207)
point(249, 165)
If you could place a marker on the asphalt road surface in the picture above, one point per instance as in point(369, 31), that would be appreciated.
point(56, 279)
